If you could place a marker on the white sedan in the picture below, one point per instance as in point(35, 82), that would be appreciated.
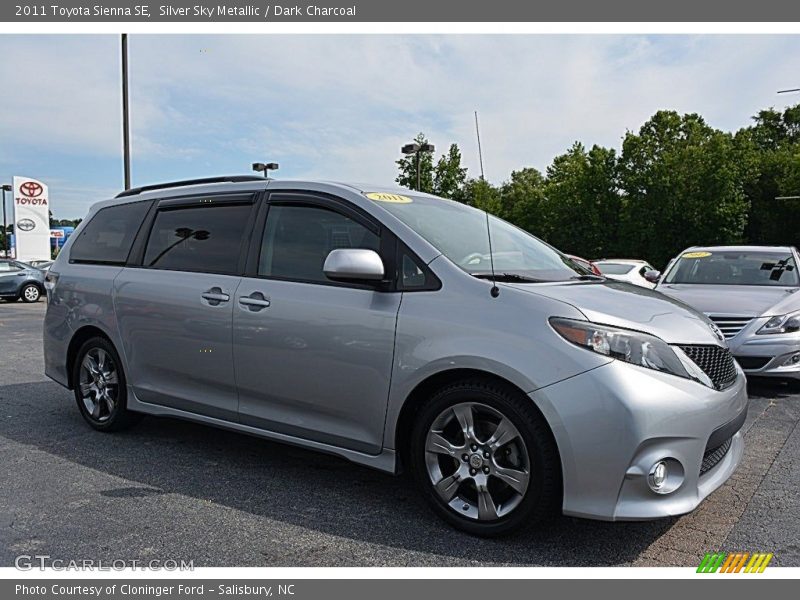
point(631, 271)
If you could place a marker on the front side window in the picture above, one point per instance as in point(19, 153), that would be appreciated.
point(298, 238)
point(460, 233)
point(735, 268)
point(108, 237)
point(7, 267)
point(198, 238)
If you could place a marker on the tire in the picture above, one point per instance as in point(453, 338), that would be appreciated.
point(100, 387)
point(30, 293)
point(525, 445)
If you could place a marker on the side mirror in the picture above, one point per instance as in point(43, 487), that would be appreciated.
point(353, 264)
point(652, 276)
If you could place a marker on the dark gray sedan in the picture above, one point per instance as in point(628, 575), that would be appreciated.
point(751, 293)
point(20, 281)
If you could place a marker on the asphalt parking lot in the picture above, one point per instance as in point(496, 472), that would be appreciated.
point(173, 490)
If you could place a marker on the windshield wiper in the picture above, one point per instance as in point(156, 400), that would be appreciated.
point(588, 277)
point(511, 277)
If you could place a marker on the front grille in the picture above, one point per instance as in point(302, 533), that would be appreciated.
point(716, 362)
point(712, 457)
point(730, 326)
point(753, 362)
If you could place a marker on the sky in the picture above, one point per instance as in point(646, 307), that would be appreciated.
point(339, 107)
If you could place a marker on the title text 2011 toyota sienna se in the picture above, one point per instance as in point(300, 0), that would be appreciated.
point(366, 323)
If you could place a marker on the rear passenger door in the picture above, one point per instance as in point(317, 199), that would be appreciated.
point(313, 357)
point(174, 303)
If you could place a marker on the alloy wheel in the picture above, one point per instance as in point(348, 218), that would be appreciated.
point(99, 384)
point(31, 293)
point(477, 461)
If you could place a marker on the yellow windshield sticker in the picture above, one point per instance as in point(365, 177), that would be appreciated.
point(384, 197)
point(696, 255)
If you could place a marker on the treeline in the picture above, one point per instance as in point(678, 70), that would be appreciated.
point(677, 182)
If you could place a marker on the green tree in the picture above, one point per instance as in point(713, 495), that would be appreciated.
point(583, 204)
point(771, 148)
point(448, 175)
point(407, 166)
point(522, 201)
point(445, 178)
point(481, 194)
point(682, 185)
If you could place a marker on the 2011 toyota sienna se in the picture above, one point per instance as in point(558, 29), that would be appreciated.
point(396, 328)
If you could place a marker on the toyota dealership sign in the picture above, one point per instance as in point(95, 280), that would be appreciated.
point(31, 219)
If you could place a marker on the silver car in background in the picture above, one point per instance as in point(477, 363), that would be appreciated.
point(751, 293)
point(397, 330)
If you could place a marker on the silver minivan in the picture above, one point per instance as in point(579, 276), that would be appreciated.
point(397, 330)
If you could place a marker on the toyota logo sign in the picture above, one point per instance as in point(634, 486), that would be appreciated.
point(31, 189)
point(26, 225)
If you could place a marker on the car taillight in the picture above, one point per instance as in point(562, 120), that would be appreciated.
point(50, 281)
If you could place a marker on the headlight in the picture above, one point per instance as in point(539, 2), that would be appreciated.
point(631, 347)
point(781, 324)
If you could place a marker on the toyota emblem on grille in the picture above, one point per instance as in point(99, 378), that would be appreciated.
point(26, 225)
point(31, 189)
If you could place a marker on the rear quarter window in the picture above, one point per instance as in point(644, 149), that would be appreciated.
point(108, 237)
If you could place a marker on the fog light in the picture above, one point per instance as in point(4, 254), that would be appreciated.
point(792, 361)
point(658, 476)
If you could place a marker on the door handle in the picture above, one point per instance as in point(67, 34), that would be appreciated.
point(215, 296)
point(255, 301)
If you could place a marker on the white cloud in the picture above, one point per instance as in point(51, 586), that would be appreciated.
point(340, 106)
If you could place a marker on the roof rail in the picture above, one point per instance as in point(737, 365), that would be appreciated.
point(187, 182)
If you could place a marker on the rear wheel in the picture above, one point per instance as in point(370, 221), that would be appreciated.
point(30, 292)
point(100, 386)
point(485, 459)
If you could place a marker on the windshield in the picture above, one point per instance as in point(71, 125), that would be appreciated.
point(460, 233)
point(614, 268)
point(735, 268)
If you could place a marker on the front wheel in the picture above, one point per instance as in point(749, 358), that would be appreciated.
point(30, 293)
point(485, 459)
point(100, 386)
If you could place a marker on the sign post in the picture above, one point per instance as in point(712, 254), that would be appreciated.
point(31, 219)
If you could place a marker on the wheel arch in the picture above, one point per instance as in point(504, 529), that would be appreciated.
point(35, 282)
point(424, 389)
point(78, 339)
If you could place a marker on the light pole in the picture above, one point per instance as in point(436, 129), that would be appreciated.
point(415, 149)
point(6, 188)
point(126, 122)
point(266, 168)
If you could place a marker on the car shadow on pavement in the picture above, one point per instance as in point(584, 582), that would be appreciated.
point(294, 486)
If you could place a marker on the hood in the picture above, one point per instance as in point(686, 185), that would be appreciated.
point(632, 307)
point(739, 300)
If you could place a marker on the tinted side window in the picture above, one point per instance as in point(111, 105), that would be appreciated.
point(297, 240)
point(108, 237)
point(198, 238)
point(6, 266)
point(411, 275)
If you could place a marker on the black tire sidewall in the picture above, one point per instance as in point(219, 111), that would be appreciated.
point(539, 499)
point(119, 417)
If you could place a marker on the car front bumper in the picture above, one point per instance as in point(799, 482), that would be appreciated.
point(613, 423)
point(767, 355)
